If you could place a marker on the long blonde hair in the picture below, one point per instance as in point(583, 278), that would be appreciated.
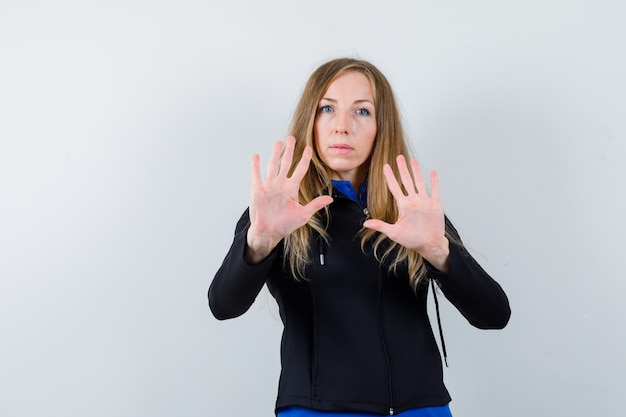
point(389, 142)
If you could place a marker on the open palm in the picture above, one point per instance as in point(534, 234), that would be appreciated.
point(420, 225)
point(275, 211)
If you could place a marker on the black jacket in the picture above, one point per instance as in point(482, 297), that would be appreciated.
point(356, 337)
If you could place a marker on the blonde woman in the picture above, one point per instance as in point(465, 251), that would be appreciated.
point(346, 236)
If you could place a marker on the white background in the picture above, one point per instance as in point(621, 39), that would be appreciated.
point(126, 132)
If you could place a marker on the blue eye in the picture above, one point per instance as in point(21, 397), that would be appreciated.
point(326, 109)
point(363, 112)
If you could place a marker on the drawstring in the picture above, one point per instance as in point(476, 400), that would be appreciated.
point(443, 343)
point(322, 251)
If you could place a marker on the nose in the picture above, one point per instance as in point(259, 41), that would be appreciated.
point(342, 122)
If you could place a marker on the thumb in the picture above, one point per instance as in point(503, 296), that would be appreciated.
point(317, 204)
point(377, 225)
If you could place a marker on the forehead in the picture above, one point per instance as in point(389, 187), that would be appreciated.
point(353, 83)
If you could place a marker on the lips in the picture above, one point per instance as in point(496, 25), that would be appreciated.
point(341, 148)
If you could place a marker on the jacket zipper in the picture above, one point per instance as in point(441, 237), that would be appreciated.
point(366, 214)
point(384, 342)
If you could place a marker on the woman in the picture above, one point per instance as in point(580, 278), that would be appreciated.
point(343, 232)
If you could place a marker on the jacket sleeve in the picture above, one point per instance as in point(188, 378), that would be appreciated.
point(237, 283)
point(477, 296)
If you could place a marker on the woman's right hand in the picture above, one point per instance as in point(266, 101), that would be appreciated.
point(275, 211)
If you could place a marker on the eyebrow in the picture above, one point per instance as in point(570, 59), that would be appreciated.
point(332, 100)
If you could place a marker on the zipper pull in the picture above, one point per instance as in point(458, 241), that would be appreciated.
point(367, 217)
point(391, 411)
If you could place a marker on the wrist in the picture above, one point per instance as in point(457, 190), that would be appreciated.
point(438, 256)
point(258, 247)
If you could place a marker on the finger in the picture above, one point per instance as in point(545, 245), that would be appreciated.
point(434, 185)
point(256, 169)
point(392, 182)
point(303, 164)
point(272, 165)
point(317, 204)
point(407, 181)
point(379, 226)
point(287, 157)
point(420, 185)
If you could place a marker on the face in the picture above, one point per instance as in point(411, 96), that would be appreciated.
point(345, 127)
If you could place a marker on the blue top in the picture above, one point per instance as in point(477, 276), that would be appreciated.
point(345, 187)
point(443, 411)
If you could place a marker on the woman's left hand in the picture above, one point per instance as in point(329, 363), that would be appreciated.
point(421, 223)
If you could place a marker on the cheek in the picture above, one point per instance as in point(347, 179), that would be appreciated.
point(372, 135)
point(319, 125)
point(367, 127)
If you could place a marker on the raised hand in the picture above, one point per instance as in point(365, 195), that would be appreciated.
point(275, 211)
point(421, 224)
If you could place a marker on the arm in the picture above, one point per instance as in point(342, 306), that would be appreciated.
point(421, 226)
point(237, 282)
point(477, 296)
point(274, 213)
